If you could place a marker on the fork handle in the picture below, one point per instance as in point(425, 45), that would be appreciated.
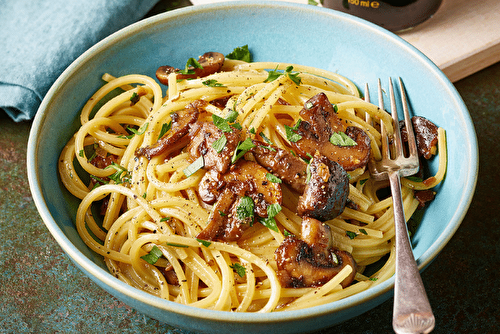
point(412, 311)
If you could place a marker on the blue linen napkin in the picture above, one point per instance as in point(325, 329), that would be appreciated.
point(40, 38)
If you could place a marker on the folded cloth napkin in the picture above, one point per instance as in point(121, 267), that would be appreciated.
point(39, 39)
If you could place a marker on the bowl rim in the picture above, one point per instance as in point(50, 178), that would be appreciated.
point(104, 277)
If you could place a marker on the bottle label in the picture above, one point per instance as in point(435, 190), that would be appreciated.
point(364, 3)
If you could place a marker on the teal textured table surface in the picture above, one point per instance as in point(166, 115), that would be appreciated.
point(41, 291)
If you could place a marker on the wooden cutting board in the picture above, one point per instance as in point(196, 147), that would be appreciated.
point(462, 38)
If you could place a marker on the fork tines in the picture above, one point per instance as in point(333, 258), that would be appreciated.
point(393, 158)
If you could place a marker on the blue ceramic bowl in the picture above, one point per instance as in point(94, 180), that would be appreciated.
point(292, 33)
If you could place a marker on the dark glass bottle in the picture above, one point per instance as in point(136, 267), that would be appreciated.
point(394, 15)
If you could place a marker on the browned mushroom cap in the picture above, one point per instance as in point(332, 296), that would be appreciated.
point(311, 261)
point(203, 135)
point(319, 123)
point(220, 227)
point(326, 192)
point(176, 138)
point(211, 62)
point(246, 178)
point(288, 167)
point(426, 134)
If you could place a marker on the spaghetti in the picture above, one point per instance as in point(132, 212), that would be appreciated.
point(151, 210)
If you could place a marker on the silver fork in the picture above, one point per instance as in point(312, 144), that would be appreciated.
point(412, 312)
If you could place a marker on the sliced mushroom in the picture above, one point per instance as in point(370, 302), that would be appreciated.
point(176, 138)
point(311, 261)
point(211, 62)
point(326, 193)
point(426, 134)
point(203, 136)
point(245, 178)
point(319, 123)
point(288, 167)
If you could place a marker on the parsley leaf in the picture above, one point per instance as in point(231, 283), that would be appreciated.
point(269, 221)
point(242, 148)
point(341, 139)
point(239, 269)
point(351, 234)
point(153, 255)
point(414, 178)
point(267, 140)
point(191, 64)
point(293, 76)
point(221, 123)
point(177, 245)
point(245, 209)
point(240, 53)
point(141, 130)
point(275, 74)
point(204, 242)
point(232, 116)
point(164, 128)
point(212, 83)
point(219, 144)
point(291, 135)
point(122, 175)
point(194, 167)
point(273, 178)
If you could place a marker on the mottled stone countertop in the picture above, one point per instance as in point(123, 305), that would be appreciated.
point(41, 290)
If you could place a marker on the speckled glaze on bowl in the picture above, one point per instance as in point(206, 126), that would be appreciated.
point(293, 33)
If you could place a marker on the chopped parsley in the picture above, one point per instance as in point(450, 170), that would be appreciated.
point(232, 116)
point(122, 175)
point(164, 129)
point(239, 269)
point(153, 256)
point(138, 132)
point(362, 230)
point(291, 135)
point(267, 140)
point(240, 53)
point(275, 74)
point(212, 83)
point(269, 221)
point(242, 148)
point(194, 167)
point(341, 139)
point(414, 178)
point(308, 173)
point(273, 178)
point(219, 144)
point(221, 123)
point(245, 209)
point(351, 234)
point(191, 64)
point(176, 245)
point(204, 242)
